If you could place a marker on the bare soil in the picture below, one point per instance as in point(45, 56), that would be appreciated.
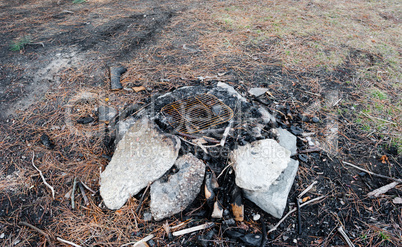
point(337, 62)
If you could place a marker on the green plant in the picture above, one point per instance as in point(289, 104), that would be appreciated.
point(79, 1)
point(378, 94)
point(20, 43)
point(384, 236)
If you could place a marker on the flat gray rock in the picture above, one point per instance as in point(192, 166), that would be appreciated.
point(142, 156)
point(258, 164)
point(273, 201)
point(257, 91)
point(172, 195)
point(287, 140)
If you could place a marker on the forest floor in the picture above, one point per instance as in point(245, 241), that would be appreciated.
point(339, 61)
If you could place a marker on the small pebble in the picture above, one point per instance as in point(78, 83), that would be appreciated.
point(2, 235)
point(315, 119)
point(256, 217)
point(147, 216)
point(303, 157)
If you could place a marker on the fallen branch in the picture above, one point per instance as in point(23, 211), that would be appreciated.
point(41, 175)
point(23, 223)
point(345, 236)
point(383, 189)
point(372, 173)
point(68, 242)
point(294, 210)
point(193, 229)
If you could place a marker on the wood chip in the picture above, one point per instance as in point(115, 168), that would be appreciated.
point(139, 89)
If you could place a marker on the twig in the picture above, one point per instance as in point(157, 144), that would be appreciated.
point(310, 150)
point(142, 198)
point(226, 133)
point(83, 193)
point(343, 233)
point(372, 173)
point(147, 238)
point(307, 189)
point(23, 223)
point(73, 192)
point(193, 229)
point(68, 242)
point(41, 175)
point(382, 190)
point(294, 210)
point(299, 224)
point(369, 116)
point(298, 201)
point(86, 187)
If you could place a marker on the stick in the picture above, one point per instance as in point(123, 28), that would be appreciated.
point(299, 225)
point(41, 175)
point(86, 187)
point(310, 150)
point(382, 189)
point(23, 223)
point(147, 238)
point(307, 189)
point(298, 201)
point(193, 229)
point(73, 192)
point(226, 133)
point(294, 210)
point(83, 193)
point(68, 242)
point(372, 173)
point(142, 198)
point(343, 233)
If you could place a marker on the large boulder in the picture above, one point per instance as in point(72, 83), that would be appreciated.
point(174, 193)
point(259, 164)
point(143, 155)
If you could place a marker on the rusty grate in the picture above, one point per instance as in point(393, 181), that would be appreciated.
point(196, 113)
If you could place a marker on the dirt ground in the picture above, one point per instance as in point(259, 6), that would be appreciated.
point(338, 61)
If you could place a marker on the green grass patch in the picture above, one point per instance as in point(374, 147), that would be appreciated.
point(19, 44)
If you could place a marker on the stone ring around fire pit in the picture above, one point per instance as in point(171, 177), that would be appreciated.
point(152, 148)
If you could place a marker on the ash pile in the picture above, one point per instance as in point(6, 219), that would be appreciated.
point(207, 142)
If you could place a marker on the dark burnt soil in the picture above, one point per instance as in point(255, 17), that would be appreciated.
point(46, 88)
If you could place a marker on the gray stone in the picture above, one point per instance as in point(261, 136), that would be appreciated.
point(174, 195)
point(259, 164)
point(287, 140)
point(257, 91)
point(266, 116)
point(106, 113)
point(231, 91)
point(142, 156)
point(273, 201)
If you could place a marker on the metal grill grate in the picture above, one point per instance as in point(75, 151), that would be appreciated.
point(196, 113)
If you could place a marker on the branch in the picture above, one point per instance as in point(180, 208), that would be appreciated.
point(41, 175)
point(372, 173)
